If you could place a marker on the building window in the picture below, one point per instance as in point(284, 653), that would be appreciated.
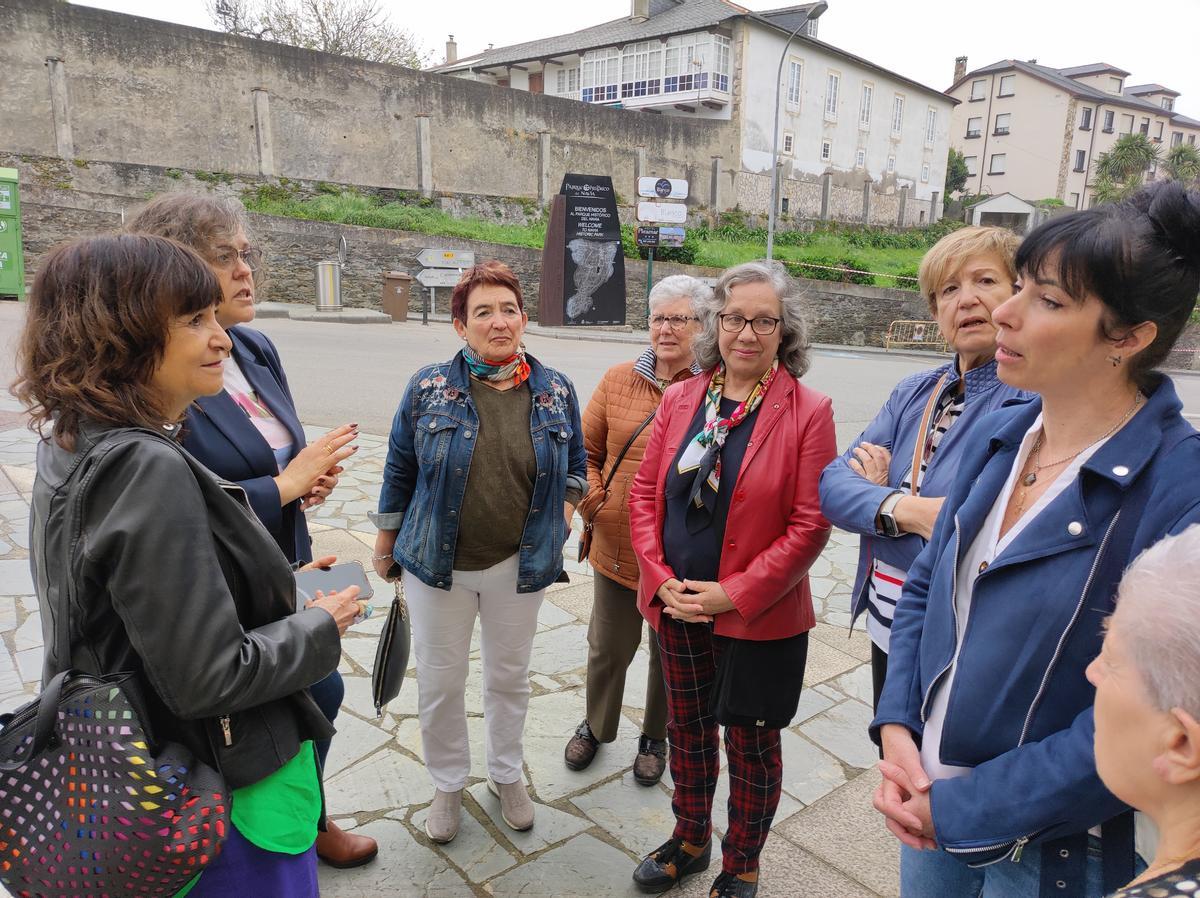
point(826, 150)
point(1144, 127)
point(864, 106)
point(1007, 83)
point(1085, 119)
point(1168, 104)
point(789, 143)
point(1191, 140)
point(1074, 200)
point(1109, 115)
point(783, 205)
point(1116, 85)
point(795, 70)
point(1003, 120)
point(891, 166)
point(972, 165)
point(930, 126)
point(1126, 124)
point(720, 69)
point(599, 76)
point(978, 89)
point(1080, 160)
point(641, 70)
point(897, 114)
point(568, 82)
point(974, 126)
point(997, 166)
point(925, 172)
point(695, 62)
point(1159, 135)
point(810, 28)
point(833, 82)
point(860, 159)
point(1176, 138)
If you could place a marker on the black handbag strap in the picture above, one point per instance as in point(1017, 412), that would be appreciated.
point(612, 472)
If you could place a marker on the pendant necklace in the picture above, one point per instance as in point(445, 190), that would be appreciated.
point(1036, 455)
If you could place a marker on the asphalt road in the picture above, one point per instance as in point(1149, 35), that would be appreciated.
point(357, 372)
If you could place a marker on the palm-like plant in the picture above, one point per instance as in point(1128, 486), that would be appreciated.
point(1182, 163)
point(1120, 171)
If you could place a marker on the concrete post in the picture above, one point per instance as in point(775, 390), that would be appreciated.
point(264, 144)
point(935, 206)
point(902, 216)
point(543, 169)
point(639, 167)
point(867, 185)
point(60, 107)
point(424, 157)
point(826, 195)
point(714, 186)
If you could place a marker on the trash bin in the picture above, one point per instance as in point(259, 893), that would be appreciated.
point(397, 286)
point(329, 286)
point(12, 272)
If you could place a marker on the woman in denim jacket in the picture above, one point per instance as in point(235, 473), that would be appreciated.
point(485, 465)
point(872, 489)
point(986, 718)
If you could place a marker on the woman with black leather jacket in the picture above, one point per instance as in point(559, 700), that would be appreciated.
point(193, 595)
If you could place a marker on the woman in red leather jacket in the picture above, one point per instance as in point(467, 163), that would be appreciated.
point(726, 522)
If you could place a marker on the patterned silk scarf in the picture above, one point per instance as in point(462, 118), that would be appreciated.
point(703, 454)
point(514, 366)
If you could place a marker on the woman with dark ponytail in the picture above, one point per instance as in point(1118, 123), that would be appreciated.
point(986, 718)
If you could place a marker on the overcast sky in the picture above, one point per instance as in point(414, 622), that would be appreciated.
point(1154, 40)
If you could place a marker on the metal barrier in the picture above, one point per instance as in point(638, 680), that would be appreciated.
point(914, 334)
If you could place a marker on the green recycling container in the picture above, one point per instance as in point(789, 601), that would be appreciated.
point(12, 266)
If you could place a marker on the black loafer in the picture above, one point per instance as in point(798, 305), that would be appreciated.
point(667, 864)
point(581, 748)
point(726, 885)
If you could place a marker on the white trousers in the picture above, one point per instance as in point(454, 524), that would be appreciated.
point(442, 622)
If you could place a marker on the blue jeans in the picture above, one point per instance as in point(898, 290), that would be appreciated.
point(938, 874)
point(328, 694)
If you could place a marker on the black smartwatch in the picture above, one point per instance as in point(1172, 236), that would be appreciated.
point(887, 517)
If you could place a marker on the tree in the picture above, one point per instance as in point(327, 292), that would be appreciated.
point(357, 28)
point(1120, 171)
point(956, 172)
point(1182, 163)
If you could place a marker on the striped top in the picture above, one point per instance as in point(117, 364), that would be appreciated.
point(886, 580)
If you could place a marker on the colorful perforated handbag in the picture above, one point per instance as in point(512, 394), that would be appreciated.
point(91, 806)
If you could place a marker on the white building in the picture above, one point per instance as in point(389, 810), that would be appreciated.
point(839, 113)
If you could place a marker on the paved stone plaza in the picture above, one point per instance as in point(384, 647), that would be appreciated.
point(591, 825)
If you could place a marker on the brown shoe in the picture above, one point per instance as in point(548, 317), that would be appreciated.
point(582, 748)
point(344, 850)
point(650, 762)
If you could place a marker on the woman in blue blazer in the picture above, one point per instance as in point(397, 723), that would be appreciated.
point(249, 433)
point(986, 717)
point(872, 489)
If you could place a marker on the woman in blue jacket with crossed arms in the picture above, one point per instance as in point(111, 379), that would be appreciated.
point(986, 716)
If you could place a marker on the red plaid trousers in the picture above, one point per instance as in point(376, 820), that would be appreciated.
point(689, 658)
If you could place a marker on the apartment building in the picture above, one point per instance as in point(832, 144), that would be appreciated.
point(1036, 131)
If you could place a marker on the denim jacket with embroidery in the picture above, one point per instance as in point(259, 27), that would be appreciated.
point(429, 455)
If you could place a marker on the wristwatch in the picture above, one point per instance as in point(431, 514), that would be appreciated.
point(887, 518)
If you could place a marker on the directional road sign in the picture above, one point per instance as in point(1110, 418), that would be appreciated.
point(673, 213)
point(438, 277)
point(446, 258)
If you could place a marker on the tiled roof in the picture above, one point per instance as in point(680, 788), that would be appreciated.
point(1092, 68)
point(1138, 89)
point(1059, 79)
point(1179, 119)
point(667, 17)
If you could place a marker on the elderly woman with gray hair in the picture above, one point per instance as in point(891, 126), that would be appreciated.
point(615, 431)
point(726, 522)
point(1147, 710)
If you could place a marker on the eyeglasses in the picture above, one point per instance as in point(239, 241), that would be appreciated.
point(675, 322)
point(735, 324)
point(228, 257)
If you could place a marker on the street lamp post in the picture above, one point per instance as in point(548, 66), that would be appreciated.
point(814, 12)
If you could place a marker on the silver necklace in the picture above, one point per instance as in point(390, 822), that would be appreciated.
point(1031, 478)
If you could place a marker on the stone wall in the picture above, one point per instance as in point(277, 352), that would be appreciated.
point(88, 84)
point(845, 203)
